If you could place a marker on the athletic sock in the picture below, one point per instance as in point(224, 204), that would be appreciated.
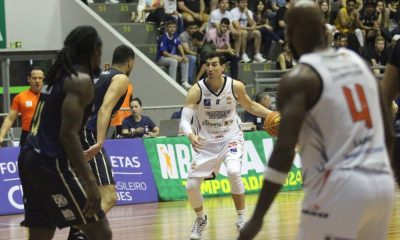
point(200, 214)
point(241, 215)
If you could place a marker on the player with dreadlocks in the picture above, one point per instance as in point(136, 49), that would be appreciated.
point(59, 188)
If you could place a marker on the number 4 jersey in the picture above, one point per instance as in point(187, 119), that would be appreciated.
point(344, 129)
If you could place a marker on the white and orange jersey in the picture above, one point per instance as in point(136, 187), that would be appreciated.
point(216, 118)
point(344, 129)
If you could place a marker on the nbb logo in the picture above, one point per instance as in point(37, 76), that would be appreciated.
point(175, 159)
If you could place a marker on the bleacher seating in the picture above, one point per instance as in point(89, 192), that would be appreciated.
point(144, 37)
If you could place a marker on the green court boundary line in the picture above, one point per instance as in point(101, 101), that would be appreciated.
point(15, 90)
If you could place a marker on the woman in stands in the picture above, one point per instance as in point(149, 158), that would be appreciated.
point(267, 31)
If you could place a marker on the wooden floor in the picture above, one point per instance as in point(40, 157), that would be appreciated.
point(173, 220)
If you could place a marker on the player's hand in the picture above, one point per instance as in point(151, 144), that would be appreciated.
point(196, 141)
point(92, 151)
point(250, 230)
point(93, 201)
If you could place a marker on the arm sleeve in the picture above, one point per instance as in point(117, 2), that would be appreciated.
point(186, 118)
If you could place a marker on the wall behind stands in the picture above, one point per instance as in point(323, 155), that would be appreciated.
point(151, 84)
point(34, 23)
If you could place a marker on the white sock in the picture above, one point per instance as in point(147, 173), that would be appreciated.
point(241, 215)
point(200, 214)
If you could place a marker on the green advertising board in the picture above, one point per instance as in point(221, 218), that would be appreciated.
point(170, 161)
point(3, 39)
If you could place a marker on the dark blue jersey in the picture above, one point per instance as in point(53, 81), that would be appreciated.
point(46, 123)
point(101, 87)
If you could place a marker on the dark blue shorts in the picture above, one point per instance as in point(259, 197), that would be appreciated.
point(53, 194)
point(100, 164)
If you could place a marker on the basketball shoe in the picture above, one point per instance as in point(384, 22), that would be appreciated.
point(198, 227)
point(240, 225)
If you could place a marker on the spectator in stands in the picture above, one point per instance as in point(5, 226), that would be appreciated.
point(265, 100)
point(24, 103)
point(220, 38)
point(154, 9)
point(242, 21)
point(369, 21)
point(377, 56)
point(267, 31)
point(190, 50)
point(177, 114)
point(215, 19)
point(120, 115)
point(325, 10)
point(343, 40)
point(383, 19)
point(138, 125)
point(171, 13)
point(194, 11)
point(280, 24)
point(170, 53)
point(285, 59)
point(336, 40)
point(276, 4)
point(359, 4)
point(347, 21)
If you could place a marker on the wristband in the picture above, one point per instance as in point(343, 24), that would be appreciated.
point(274, 176)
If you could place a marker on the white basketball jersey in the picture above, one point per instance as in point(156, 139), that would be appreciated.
point(216, 118)
point(344, 129)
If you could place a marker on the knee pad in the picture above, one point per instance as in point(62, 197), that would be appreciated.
point(235, 179)
point(193, 192)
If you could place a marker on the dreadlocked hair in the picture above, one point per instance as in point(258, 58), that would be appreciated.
point(78, 48)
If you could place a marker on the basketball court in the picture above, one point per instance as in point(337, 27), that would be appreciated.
point(173, 220)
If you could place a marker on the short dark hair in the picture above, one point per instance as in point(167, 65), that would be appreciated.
point(260, 95)
point(33, 68)
point(170, 22)
point(122, 54)
point(215, 54)
point(198, 36)
point(191, 23)
point(225, 21)
point(137, 100)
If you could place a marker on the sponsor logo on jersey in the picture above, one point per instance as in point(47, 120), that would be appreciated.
point(60, 200)
point(68, 214)
point(207, 102)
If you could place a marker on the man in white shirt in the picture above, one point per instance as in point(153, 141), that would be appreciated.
point(223, 12)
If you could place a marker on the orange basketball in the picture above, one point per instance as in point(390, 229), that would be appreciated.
point(271, 123)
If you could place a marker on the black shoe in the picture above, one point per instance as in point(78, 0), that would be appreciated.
point(76, 234)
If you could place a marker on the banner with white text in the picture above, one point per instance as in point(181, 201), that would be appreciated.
point(133, 177)
point(170, 160)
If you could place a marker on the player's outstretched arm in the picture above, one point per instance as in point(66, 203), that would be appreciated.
point(246, 102)
point(117, 88)
point(297, 92)
point(79, 92)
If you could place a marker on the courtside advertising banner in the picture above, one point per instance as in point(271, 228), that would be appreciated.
point(10, 186)
point(133, 176)
point(170, 160)
point(132, 172)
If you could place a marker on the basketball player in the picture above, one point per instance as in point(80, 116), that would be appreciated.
point(24, 103)
point(110, 89)
point(391, 89)
point(59, 189)
point(217, 137)
point(330, 104)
